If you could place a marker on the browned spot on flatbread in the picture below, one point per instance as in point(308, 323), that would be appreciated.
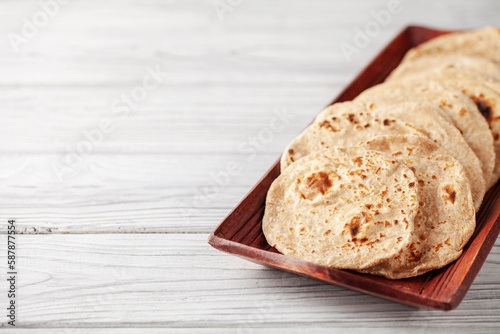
point(362, 240)
point(315, 184)
point(444, 104)
point(428, 147)
point(462, 112)
point(351, 119)
point(355, 224)
point(483, 106)
point(388, 122)
point(449, 194)
point(358, 161)
point(325, 124)
point(414, 255)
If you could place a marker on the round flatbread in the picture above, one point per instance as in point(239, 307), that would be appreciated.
point(426, 117)
point(434, 62)
point(445, 220)
point(342, 124)
point(483, 42)
point(462, 112)
point(485, 94)
point(344, 208)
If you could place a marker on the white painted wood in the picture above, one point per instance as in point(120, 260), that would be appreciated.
point(313, 330)
point(126, 193)
point(83, 259)
point(178, 280)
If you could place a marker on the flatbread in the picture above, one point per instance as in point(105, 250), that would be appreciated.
point(445, 220)
point(426, 117)
point(483, 42)
point(344, 208)
point(462, 112)
point(435, 62)
point(484, 92)
point(342, 124)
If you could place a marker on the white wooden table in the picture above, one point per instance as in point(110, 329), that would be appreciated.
point(118, 120)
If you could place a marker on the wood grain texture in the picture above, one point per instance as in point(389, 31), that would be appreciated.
point(158, 280)
point(225, 78)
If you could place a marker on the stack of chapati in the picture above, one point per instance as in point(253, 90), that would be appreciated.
point(389, 183)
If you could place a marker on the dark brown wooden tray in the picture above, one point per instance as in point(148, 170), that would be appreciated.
point(241, 233)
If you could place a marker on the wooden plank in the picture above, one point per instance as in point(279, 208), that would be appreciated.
point(156, 125)
point(178, 280)
point(271, 330)
point(126, 193)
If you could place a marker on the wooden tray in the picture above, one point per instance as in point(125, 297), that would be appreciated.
point(241, 232)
